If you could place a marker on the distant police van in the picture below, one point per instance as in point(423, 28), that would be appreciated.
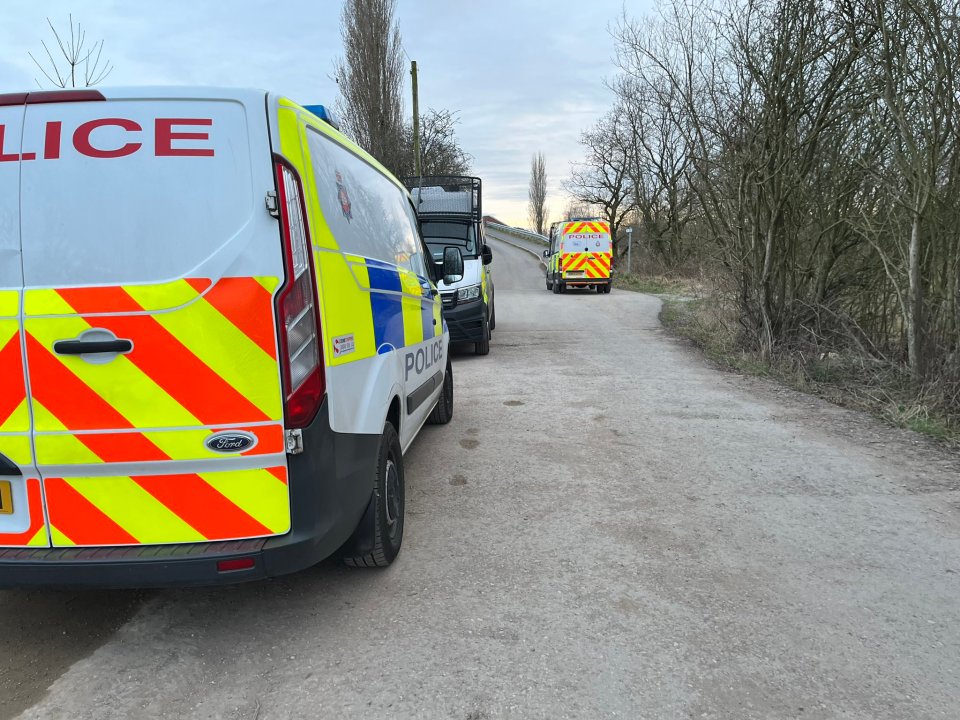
point(449, 208)
point(580, 255)
point(219, 333)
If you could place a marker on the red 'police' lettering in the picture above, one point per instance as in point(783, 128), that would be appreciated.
point(5, 156)
point(51, 143)
point(165, 137)
point(81, 138)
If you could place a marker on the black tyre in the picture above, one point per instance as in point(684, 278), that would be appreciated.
point(549, 284)
point(556, 287)
point(599, 289)
point(607, 288)
point(493, 318)
point(443, 412)
point(388, 500)
point(482, 348)
point(563, 287)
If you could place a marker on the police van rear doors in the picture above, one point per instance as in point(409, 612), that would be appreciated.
point(150, 265)
point(585, 250)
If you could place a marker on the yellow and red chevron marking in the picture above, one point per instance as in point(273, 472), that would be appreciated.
point(594, 265)
point(211, 361)
point(575, 228)
point(598, 266)
point(163, 509)
point(14, 410)
point(572, 261)
point(12, 389)
point(36, 534)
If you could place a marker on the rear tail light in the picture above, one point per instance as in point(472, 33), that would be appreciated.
point(234, 564)
point(301, 356)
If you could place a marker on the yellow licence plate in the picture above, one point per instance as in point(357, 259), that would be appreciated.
point(6, 498)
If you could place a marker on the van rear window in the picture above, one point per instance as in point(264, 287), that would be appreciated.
point(131, 191)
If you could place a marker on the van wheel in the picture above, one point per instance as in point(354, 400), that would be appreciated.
point(443, 412)
point(388, 500)
point(493, 318)
point(563, 287)
point(549, 284)
point(600, 289)
point(482, 348)
point(556, 287)
point(607, 288)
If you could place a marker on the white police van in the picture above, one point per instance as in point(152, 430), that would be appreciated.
point(449, 208)
point(219, 334)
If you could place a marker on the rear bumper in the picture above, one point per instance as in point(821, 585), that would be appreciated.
point(576, 281)
point(467, 322)
point(330, 486)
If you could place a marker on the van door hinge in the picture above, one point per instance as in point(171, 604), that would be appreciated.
point(273, 203)
point(294, 441)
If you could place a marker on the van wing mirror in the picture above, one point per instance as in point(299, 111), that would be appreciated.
point(487, 254)
point(452, 265)
point(546, 253)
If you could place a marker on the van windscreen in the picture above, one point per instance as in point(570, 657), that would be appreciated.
point(439, 235)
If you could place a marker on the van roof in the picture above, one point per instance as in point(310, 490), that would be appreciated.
point(168, 92)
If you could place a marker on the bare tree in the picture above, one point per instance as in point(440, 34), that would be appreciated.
point(578, 209)
point(370, 77)
point(658, 156)
point(80, 66)
point(603, 179)
point(911, 64)
point(810, 151)
point(538, 193)
point(440, 152)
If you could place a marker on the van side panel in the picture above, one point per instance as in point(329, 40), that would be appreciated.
point(143, 219)
point(375, 311)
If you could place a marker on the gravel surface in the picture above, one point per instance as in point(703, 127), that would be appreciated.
point(608, 528)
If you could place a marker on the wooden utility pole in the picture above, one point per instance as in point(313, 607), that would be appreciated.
point(416, 118)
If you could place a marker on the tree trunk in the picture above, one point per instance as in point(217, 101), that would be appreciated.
point(915, 355)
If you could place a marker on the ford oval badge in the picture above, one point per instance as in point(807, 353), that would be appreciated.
point(231, 441)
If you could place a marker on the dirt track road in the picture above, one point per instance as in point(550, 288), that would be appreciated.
point(608, 528)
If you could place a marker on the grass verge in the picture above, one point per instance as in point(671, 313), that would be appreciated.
point(655, 284)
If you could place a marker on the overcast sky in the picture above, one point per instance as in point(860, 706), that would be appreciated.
point(525, 75)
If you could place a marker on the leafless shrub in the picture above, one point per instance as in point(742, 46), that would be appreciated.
point(76, 64)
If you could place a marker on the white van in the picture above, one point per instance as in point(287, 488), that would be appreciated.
point(219, 333)
point(449, 208)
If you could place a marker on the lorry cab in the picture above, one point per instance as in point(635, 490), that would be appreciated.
point(580, 255)
point(219, 333)
point(449, 209)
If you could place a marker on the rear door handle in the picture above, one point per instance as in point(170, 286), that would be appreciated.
point(85, 347)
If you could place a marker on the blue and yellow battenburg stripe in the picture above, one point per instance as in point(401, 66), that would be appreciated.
point(403, 309)
point(380, 305)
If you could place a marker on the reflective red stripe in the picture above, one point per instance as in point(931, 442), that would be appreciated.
point(85, 301)
point(279, 473)
point(247, 304)
point(12, 391)
point(201, 506)
point(79, 519)
point(121, 447)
